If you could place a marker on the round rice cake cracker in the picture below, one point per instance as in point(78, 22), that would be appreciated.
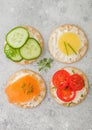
point(80, 95)
point(35, 101)
point(55, 50)
point(34, 33)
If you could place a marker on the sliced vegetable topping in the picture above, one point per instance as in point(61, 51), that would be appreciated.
point(67, 84)
point(66, 93)
point(60, 77)
point(76, 82)
point(17, 37)
point(31, 50)
point(69, 43)
point(23, 90)
point(21, 46)
point(12, 53)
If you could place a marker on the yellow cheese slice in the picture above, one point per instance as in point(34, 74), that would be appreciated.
point(68, 43)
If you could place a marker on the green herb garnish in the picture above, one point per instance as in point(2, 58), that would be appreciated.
point(66, 88)
point(81, 95)
point(72, 48)
point(65, 44)
point(69, 104)
point(30, 89)
point(44, 64)
point(23, 85)
point(53, 87)
point(73, 71)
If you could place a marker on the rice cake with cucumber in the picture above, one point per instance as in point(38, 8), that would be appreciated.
point(68, 43)
point(69, 86)
point(26, 89)
point(23, 44)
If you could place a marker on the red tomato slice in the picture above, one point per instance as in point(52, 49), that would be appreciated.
point(76, 82)
point(66, 93)
point(60, 77)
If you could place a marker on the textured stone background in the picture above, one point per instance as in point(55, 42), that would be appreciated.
point(45, 15)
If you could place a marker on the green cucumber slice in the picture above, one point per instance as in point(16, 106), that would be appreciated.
point(31, 50)
point(17, 37)
point(12, 53)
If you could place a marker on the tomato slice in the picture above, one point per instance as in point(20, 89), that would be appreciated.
point(60, 77)
point(76, 82)
point(66, 93)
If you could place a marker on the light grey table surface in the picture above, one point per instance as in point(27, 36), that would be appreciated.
point(45, 15)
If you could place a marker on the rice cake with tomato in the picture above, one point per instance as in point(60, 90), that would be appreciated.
point(68, 43)
point(69, 86)
point(26, 89)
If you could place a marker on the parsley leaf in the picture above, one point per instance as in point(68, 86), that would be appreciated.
point(44, 64)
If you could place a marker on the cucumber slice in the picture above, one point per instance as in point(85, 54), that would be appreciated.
point(12, 53)
point(31, 50)
point(17, 37)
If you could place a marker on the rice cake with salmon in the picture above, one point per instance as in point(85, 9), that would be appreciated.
point(26, 89)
